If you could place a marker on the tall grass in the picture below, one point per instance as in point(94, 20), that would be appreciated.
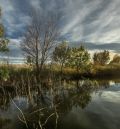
point(108, 71)
point(26, 75)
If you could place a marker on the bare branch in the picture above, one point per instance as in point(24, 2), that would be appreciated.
point(40, 38)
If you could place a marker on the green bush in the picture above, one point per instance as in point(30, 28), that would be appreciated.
point(4, 73)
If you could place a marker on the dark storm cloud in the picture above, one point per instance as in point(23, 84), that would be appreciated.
point(88, 20)
point(96, 21)
point(17, 14)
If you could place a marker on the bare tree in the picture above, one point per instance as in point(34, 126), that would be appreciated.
point(41, 36)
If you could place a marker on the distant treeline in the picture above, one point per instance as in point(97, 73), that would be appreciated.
point(66, 63)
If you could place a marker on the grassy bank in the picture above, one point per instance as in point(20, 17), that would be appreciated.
point(23, 74)
point(108, 71)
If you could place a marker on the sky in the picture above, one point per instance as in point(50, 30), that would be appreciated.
point(94, 21)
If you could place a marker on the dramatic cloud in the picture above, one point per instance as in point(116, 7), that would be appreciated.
point(84, 20)
point(15, 55)
point(94, 21)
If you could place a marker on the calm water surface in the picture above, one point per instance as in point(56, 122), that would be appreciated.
point(71, 105)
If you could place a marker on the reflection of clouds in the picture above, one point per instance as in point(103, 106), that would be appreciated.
point(21, 102)
point(105, 107)
point(111, 94)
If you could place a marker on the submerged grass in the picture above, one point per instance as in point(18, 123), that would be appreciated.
point(4, 121)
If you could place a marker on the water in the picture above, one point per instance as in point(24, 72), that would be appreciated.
point(70, 105)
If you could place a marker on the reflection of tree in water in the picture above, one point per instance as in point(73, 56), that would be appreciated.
point(103, 83)
point(82, 97)
point(57, 102)
point(48, 108)
point(4, 122)
point(5, 97)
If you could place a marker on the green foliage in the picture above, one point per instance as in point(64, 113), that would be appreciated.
point(101, 58)
point(1, 30)
point(29, 60)
point(116, 59)
point(4, 73)
point(79, 58)
point(60, 54)
point(4, 45)
point(1, 27)
point(3, 41)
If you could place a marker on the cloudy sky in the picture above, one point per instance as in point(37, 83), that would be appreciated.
point(95, 21)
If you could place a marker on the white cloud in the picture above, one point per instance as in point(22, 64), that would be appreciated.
point(84, 20)
point(103, 28)
point(75, 12)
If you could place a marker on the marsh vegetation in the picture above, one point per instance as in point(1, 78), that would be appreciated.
point(79, 102)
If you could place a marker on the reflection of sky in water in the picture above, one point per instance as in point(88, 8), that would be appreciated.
point(111, 94)
point(105, 107)
point(12, 110)
point(103, 112)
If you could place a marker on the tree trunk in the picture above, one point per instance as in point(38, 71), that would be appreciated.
point(61, 71)
point(37, 71)
point(37, 62)
point(77, 69)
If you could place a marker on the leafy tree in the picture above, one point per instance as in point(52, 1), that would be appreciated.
point(60, 54)
point(79, 58)
point(116, 59)
point(1, 30)
point(101, 58)
point(3, 41)
point(29, 60)
point(4, 73)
